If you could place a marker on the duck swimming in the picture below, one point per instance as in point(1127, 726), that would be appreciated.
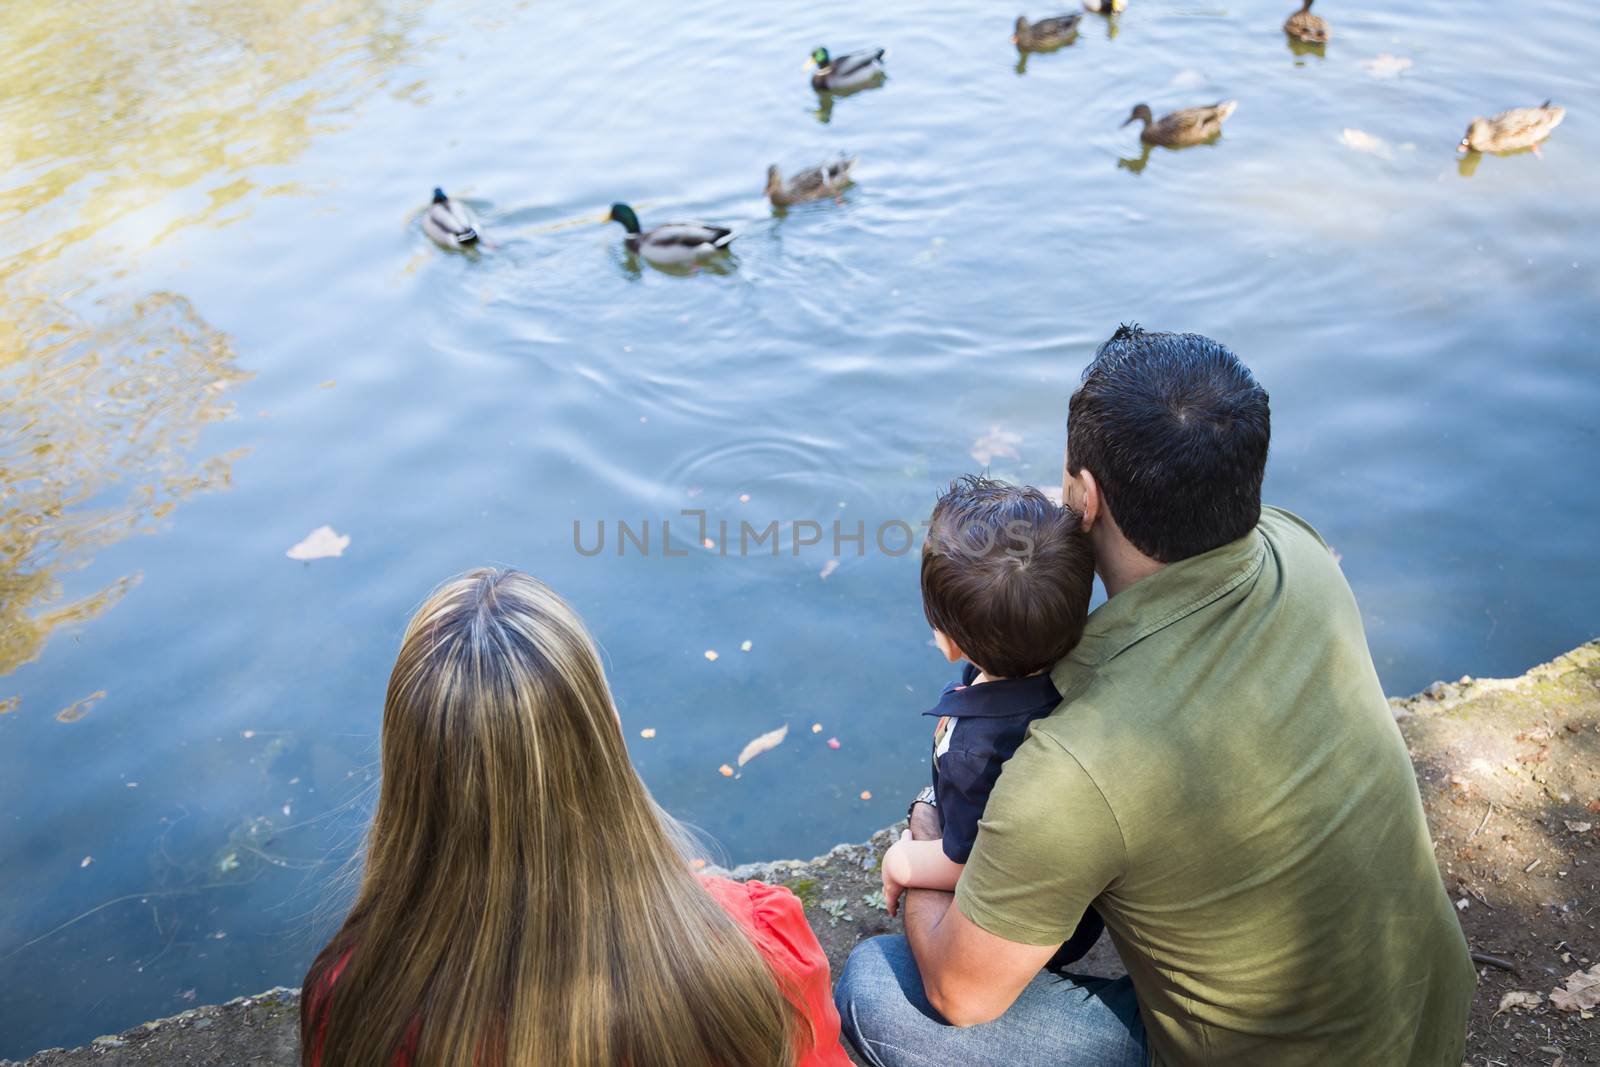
point(1187, 126)
point(671, 243)
point(1046, 33)
point(1521, 127)
point(849, 71)
point(813, 183)
point(1304, 26)
point(448, 223)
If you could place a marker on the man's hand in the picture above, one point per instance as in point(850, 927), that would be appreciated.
point(926, 825)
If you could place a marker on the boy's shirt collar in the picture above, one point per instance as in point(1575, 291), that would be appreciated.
point(998, 699)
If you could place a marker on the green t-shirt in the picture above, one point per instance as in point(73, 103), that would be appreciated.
point(1224, 781)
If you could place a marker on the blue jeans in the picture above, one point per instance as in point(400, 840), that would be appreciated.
point(1060, 1022)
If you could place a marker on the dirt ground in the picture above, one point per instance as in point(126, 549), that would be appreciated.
point(1510, 774)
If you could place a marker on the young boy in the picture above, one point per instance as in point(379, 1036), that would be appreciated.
point(1006, 580)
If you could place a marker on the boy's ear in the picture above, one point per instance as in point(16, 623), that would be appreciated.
point(948, 647)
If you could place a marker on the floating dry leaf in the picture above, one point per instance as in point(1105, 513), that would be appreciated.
point(708, 543)
point(228, 863)
point(1362, 141)
point(866, 794)
point(711, 654)
point(321, 543)
point(1582, 992)
point(746, 646)
point(725, 770)
point(816, 727)
point(996, 442)
point(744, 498)
point(827, 569)
point(329, 384)
point(1519, 998)
point(74, 712)
point(765, 743)
point(10, 704)
point(648, 732)
point(1579, 827)
point(86, 861)
point(1387, 66)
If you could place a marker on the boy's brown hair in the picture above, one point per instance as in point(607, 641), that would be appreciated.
point(1006, 575)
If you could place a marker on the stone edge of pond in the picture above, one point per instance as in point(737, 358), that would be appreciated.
point(840, 890)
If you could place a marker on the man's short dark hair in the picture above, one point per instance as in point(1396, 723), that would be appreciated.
point(1006, 575)
point(1174, 429)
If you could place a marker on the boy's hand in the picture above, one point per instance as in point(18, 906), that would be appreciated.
point(892, 889)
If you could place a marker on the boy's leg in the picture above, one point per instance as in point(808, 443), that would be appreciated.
point(1090, 927)
point(1085, 1022)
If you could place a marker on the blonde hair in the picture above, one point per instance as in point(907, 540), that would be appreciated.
point(523, 902)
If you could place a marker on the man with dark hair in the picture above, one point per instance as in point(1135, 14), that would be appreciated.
point(1223, 781)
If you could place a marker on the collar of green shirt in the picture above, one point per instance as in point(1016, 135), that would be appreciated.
point(1156, 602)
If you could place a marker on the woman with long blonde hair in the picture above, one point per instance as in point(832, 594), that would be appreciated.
point(524, 902)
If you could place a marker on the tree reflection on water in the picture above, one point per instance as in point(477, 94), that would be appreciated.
point(98, 416)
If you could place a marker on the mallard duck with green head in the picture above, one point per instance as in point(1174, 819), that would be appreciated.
point(1045, 34)
point(813, 183)
point(449, 224)
point(849, 71)
point(1186, 126)
point(1521, 127)
point(1304, 26)
point(672, 242)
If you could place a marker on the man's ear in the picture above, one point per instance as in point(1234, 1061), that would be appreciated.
point(948, 647)
point(1082, 493)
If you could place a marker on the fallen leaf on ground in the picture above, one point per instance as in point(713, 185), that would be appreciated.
point(1579, 827)
point(1361, 141)
point(711, 654)
point(745, 646)
point(321, 543)
point(1519, 998)
point(866, 794)
point(765, 743)
point(648, 732)
point(996, 442)
point(828, 568)
point(86, 861)
point(1582, 992)
point(725, 770)
point(74, 712)
point(833, 742)
point(1387, 66)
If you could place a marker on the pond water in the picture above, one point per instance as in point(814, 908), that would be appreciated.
point(222, 328)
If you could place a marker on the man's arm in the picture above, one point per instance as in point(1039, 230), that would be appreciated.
point(970, 976)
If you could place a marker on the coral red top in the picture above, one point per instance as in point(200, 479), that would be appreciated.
point(774, 920)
